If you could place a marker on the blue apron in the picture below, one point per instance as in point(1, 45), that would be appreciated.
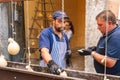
point(58, 52)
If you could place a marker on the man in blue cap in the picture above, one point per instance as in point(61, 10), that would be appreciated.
point(53, 44)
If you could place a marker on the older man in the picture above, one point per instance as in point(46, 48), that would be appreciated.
point(107, 52)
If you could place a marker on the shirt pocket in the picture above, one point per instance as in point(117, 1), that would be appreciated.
point(101, 50)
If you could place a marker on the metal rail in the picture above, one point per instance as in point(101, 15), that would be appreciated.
point(17, 71)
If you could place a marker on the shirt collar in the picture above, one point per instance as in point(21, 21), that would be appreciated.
point(51, 29)
point(112, 31)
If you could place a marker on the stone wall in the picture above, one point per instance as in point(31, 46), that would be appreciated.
point(4, 29)
point(93, 7)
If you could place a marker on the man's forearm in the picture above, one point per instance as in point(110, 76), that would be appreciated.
point(110, 62)
point(46, 55)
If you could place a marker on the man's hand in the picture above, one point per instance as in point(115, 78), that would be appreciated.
point(68, 55)
point(93, 48)
point(87, 51)
point(54, 68)
point(84, 52)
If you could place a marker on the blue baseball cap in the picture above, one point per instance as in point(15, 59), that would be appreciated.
point(59, 15)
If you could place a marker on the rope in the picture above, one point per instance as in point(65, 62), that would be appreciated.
point(12, 23)
point(1, 47)
point(1, 35)
point(62, 16)
point(28, 44)
point(105, 76)
point(62, 11)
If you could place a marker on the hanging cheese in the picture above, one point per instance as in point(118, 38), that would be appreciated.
point(3, 62)
point(62, 73)
point(13, 47)
point(28, 67)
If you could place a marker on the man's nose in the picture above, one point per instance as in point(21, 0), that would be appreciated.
point(63, 25)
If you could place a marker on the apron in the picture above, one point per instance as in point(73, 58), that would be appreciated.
point(58, 52)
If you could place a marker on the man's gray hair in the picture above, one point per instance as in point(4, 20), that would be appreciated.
point(107, 15)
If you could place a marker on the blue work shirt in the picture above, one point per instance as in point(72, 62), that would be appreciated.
point(46, 39)
point(113, 51)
